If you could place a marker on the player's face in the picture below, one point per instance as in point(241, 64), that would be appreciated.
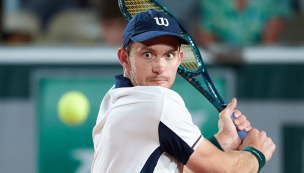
point(155, 62)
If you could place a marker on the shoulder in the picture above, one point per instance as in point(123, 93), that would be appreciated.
point(167, 94)
point(155, 93)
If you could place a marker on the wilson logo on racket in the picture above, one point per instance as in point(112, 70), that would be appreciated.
point(161, 21)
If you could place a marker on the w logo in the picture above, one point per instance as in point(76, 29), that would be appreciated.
point(161, 21)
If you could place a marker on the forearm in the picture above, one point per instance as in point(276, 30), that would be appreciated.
point(242, 161)
point(207, 158)
point(229, 162)
point(214, 141)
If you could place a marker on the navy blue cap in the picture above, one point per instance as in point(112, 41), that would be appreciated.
point(145, 26)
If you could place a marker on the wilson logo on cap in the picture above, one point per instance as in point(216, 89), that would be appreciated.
point(161, 21)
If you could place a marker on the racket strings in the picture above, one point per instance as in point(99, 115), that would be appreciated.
point(137, 6)
point(189, 61)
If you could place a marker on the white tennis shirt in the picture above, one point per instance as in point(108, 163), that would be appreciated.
point(143, 129)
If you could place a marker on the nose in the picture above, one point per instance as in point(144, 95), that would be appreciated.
point(159, 66)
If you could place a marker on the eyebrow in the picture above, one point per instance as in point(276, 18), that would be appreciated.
point(150, 49)
point(147, 48)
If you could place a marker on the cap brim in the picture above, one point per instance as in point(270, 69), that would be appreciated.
point(149, 35)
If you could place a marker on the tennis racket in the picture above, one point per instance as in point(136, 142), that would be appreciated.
point(192, 64)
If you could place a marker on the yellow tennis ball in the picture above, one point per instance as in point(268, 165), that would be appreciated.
point(73, 108)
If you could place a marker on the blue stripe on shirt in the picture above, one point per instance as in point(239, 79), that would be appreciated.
point(152, 161)
point(173, 144)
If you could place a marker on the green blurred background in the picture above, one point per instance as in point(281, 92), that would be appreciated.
point(48, 48)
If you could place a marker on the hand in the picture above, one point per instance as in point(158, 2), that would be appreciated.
point(227, 135)
point(259, 141)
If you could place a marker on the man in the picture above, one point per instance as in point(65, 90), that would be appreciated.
point(143, 126)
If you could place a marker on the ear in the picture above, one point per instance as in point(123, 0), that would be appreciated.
point(181, 55)
point(122, 55)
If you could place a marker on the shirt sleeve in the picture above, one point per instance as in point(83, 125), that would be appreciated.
point(178, 135)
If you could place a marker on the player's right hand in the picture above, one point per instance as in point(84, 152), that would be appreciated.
point(258, 140)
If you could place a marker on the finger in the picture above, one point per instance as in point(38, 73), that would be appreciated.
point(248, 128)
point(237, 113)
point(272, 148)
point(244, 125)
point(240, 119)
point(254, 131)
point(230, 107)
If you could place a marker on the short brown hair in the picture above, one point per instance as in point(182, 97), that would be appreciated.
point(129, 46)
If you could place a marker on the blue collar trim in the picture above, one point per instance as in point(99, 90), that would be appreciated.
point(121, 81)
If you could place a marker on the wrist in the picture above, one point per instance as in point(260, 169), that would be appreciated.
point(226, 142)
point(259, 155)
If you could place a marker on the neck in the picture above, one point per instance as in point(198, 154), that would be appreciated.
point(126, 74)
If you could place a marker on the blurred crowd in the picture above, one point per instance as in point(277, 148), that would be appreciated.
point(210, 22)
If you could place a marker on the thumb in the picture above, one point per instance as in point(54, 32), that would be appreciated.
point(230, 107)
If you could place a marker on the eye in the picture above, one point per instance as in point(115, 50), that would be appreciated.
point(170, 55)
point(147, 55)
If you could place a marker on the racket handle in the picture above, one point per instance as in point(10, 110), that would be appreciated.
point(241, 133)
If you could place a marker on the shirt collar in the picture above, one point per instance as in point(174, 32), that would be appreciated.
point(121, 81)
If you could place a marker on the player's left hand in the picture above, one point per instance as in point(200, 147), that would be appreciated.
point(227, 135)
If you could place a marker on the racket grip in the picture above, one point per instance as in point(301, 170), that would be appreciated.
point(241, 133)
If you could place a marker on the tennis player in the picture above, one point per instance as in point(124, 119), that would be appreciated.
point(143, 126)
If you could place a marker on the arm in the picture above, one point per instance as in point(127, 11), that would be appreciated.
point(208, 158)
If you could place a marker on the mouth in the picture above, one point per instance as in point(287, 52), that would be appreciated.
point(158, 81)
